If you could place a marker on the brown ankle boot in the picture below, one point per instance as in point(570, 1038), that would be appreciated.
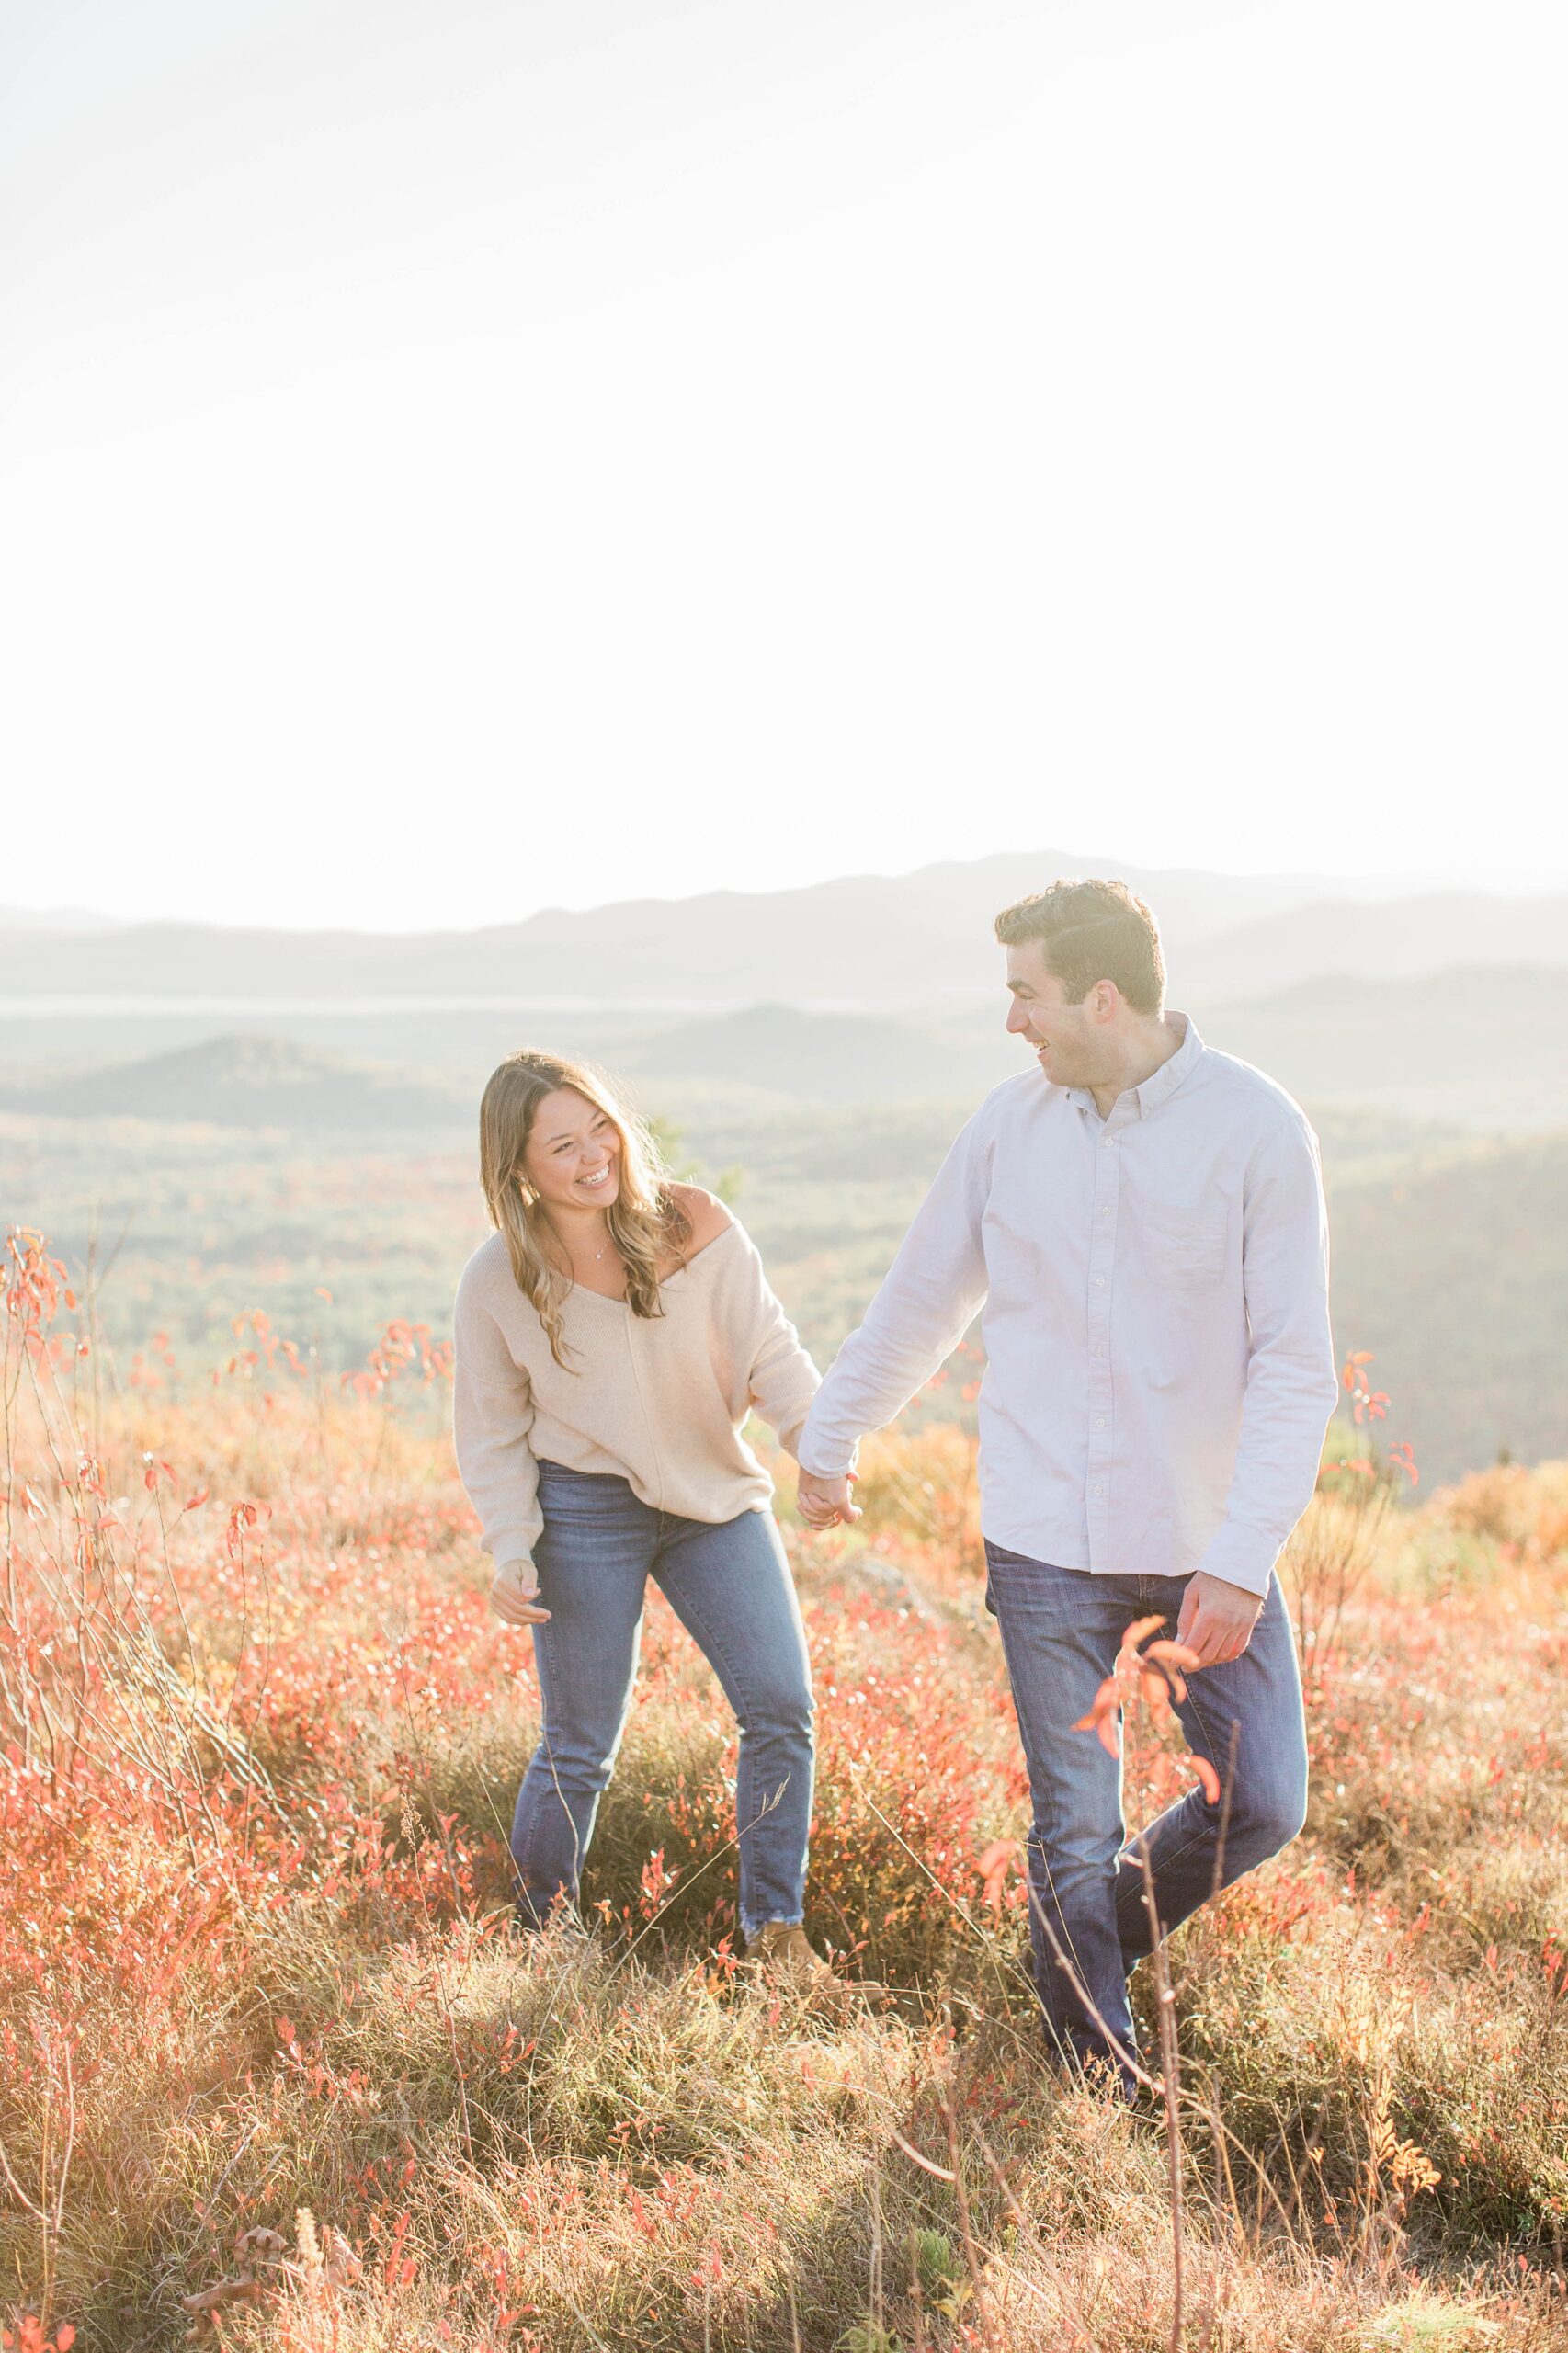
point(781, 1952)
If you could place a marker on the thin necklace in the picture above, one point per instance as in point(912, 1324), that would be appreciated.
point(597, 1255)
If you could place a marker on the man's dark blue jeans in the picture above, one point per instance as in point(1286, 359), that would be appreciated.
point(1089, 1919)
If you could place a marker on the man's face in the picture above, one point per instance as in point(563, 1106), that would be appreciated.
point(1067, 1039)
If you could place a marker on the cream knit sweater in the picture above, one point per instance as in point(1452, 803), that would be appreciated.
point(658, 1401)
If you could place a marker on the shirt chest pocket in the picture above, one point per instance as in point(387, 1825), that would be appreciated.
point(1183, 1243)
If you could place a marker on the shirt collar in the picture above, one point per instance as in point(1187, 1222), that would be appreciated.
point(1163, 1084)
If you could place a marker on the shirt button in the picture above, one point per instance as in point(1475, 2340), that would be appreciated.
point(1099, 1282)
point(1096, 1489)
point(1100, 1421)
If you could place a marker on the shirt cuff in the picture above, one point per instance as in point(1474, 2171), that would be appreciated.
point(823, 1457)
point(1241, 1556)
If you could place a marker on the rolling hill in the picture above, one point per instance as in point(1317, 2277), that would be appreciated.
point(252, 1081)
point(827, 1057)
point(1479, 1044)
point(1454, 1270)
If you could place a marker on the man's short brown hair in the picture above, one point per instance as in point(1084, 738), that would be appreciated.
point(1092, 931)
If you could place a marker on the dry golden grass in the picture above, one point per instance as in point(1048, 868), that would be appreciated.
point(277, 2072)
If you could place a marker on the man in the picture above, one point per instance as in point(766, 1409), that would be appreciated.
point(1142, 1219)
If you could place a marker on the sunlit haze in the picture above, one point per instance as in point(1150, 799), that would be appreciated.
point(468, 459)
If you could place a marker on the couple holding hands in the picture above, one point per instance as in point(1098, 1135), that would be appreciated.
point(1141, 1220)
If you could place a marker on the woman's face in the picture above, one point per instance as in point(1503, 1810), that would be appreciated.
point(572, 1155)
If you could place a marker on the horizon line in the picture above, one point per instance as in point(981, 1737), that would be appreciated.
point(1391, 888)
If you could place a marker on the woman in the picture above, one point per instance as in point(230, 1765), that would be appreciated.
point(610, 1338)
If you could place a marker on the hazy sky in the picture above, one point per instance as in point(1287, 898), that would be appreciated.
point(467, 455)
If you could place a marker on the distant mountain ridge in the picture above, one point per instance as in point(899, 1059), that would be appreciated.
point(1393, 939)
point(74, 921)
point(1477, 1046)
point(866, 943)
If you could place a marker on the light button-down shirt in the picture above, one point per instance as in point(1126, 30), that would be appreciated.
point(1160, 1371)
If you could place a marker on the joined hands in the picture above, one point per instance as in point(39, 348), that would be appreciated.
point(825, 1502)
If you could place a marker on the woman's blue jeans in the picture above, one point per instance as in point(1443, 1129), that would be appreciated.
point(730, 1587)
point(1088, 1904)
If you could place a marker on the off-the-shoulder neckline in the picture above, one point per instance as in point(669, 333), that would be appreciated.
point(581, 1290)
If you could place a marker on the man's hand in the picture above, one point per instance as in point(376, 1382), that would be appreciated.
point(513, 1597)
point(1216, 1620)
point(823, 1502)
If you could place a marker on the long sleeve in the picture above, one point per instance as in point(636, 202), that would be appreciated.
point(1291, 1387)
point(783, 1378)
point(927, 1300)
point(493, 1416)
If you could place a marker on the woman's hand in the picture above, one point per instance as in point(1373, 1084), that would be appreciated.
point(513, 1597)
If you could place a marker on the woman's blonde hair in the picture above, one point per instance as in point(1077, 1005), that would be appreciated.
point(646, 1222)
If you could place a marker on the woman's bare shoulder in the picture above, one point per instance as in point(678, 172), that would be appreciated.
point(704, 1213)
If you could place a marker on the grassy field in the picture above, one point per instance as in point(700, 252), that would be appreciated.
point(277, 2075)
